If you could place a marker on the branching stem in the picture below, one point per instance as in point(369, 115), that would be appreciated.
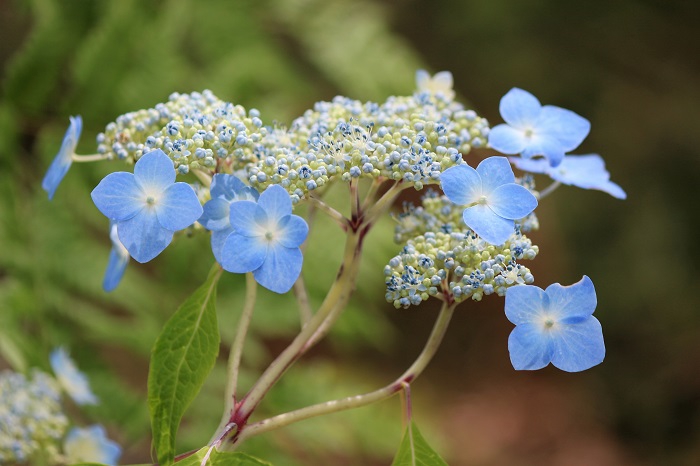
point(236, 352)
point(357, 401)
point(549, 189)
point(89, 158)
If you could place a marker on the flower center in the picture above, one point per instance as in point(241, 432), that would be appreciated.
point(482, 200)
point(548, 323)
point(269, 235)
point(528, 133)
point(150, 200)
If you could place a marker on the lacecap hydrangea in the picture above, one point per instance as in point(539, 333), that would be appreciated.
point(470, 242)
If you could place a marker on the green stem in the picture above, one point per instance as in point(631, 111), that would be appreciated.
point(203, 176)
point(302, 296)
point(357, 401)
point(549, 189)
point(337, 296)
point(384, 202)
point(330, 211)
point(236, 352)
point(370, 196)
point(89, 158)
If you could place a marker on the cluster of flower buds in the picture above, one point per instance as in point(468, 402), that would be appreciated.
point(443, 256)
point(31, 416)
point(33, 426)
point(411, 139)
point(196, 130)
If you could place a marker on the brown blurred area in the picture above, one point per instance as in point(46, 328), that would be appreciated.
point(632, 68)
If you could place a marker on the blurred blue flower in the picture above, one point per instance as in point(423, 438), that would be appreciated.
point(118, 259)
point(266, 240)
point(440, 83)
point(61, 163)
point(147, 206)
point(584, 171)
point(492, 198)
point(225, 189)
point(532, 129)
point(90, 445)
point(70, 378)
point(555, 325)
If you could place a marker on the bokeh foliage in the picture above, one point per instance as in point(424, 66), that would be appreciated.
point(101, 59)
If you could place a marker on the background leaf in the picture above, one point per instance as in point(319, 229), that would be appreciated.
point(222, 459)
point(183, 356)
point(415, 451)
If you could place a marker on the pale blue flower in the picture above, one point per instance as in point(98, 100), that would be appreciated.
point(225, 189)
point(440, 83)
point(492, 198)
point(118, 260)
point(70, 378)
point(61, 163)
point(90, 445)
point(266, 240)
point(533, 129)
point(147, 205)
point(555, 325)
point(584, 171)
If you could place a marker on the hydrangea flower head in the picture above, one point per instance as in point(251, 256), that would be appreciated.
point(225, 189)
point(148, 206)
point(70, 378)
point(90, 445)
point(118, 260)
point(32, 421)
point(584, 171)
point(494, 201)
point(62, 162)
point(532, 129)
point(441, 83)
point(265, 240)
point(555, 326)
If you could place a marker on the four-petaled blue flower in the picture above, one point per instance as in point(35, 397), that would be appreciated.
point(584, 171)
point(147, 206)
point(61, 163)
point(266, 239)
point(532, 129)
point(492, 198)
point(70, 378)
point(90, 445)
point(555, 325)
point(225, 189)
point(118, 260)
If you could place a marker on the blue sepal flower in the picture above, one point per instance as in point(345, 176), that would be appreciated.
point(265, 240)
point(90, 445)
point(70, 378)
point(585, 171)
point(61, 163)
point(555, 326)
point(441, 83)
point(225, 189)
point(532, 129)
point(118, 260)
point(148, 206)
point(494, 201)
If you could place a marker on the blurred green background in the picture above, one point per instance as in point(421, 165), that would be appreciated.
point(631, 67)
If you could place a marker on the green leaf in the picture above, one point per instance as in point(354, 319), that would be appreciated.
point(415, 451)
point(182, 357)
point(217, 458)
